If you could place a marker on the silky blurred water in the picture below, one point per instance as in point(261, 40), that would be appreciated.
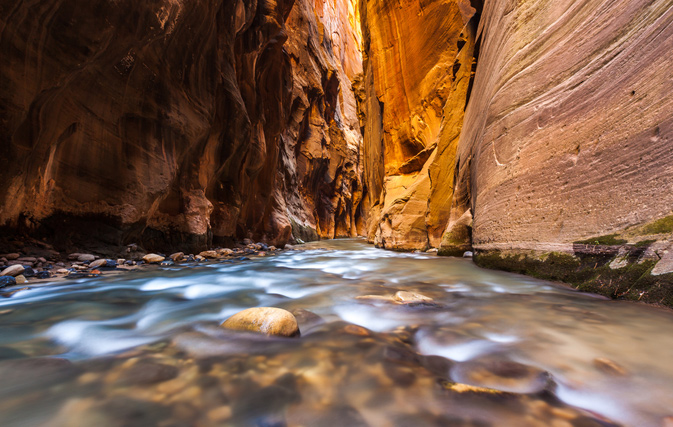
point(66, 349)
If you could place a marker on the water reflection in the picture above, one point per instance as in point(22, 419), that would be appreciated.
point(491, 349)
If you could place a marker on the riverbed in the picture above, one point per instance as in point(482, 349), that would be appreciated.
point(490, 348)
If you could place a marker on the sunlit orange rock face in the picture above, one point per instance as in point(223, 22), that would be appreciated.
point(179, 123)
point(568, 133)
point(418, 64)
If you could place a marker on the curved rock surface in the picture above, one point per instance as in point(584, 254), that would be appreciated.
point(178, 123)
point(568, 131)
point(419, 59)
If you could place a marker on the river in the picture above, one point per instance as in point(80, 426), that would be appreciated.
point(491, 348)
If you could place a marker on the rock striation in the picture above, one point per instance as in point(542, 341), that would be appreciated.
point(179, 123)
point(566, 145)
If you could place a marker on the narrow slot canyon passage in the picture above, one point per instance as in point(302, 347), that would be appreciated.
point(336, 213)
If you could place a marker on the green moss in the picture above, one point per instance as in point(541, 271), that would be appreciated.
point(644, 243)
point(610, 239)
point(590, 273)
point(456, 251)
point(663, 225)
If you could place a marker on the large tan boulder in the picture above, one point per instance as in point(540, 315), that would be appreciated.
point(267, 320)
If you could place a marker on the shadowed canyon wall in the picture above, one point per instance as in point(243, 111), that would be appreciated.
point(179, 123)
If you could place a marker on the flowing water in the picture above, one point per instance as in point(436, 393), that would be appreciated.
point(145, 349)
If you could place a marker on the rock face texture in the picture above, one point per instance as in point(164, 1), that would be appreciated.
point(565, 153)
point(417, 72)
point(179, 123)
point(568, 131)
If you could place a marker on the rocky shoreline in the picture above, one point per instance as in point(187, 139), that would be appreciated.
point(38, 262)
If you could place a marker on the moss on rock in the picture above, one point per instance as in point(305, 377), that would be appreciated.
point(589, 272)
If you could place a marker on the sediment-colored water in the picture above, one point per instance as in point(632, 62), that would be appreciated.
point(492, 348)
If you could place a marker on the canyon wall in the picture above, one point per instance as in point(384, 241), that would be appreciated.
point(417, 72)
point(174, 123)
point(565, 154)
point(560, 166)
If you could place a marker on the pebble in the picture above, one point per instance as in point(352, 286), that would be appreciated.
point(467, 254)
point(7, 281)
point(98, 263)
point(153, 258)
point(407, 297)
point(609, 367)
point(219, 414)
point(144, 373)
point(20, 279)
point(43, 275)
point(209, 254)
point(13, 270)
point(177, 257)
point(267, 320)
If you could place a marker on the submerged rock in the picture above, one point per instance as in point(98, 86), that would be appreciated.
point(267, 320)
point(407, 297)
point(7, 281)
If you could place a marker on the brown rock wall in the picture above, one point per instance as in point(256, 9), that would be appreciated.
point(175, 122)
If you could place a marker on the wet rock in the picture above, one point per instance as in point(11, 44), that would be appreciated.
point(85, 257)
point(153, 258)
point(225, 252)
point(28, 271)
point(209, 254)
point(467, 254)
point(7, 281)
point(501, 374)
point(13, 270)
point(406, 297)
point(20, 279)
point(267, 320)
point(12, 292)
point(177, 257)
point(167, 263)
point(145, 373)
point(43, 275)
point(99, 263)
point(609, 367)
point(126, 412)
point(21, 373)
point(8, 353)
point(307, 319)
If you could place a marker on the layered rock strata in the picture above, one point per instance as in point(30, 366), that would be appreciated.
point(178, 123)
point(565, 153)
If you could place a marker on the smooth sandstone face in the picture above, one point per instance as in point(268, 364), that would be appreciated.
point(193, 121)
point(267, 320)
